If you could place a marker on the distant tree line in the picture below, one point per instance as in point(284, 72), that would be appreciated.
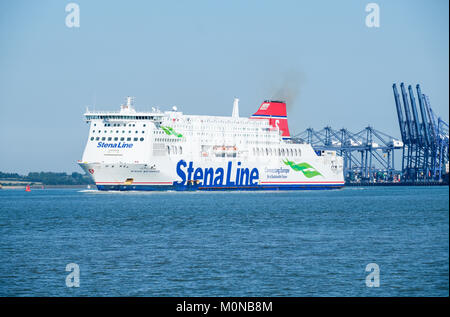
point(49, 178)
point(10, 175)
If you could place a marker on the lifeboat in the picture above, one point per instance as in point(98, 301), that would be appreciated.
point(128, 181)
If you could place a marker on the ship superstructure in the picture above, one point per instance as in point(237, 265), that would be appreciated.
point(155, 150)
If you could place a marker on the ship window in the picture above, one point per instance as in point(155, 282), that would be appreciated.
point(109, 139)
point(95, 124)
point(97, 138)
point(181, 150)
point(103, 139)
point(136, 131)
point(128, 139)
point(92, 139)
point(299, 152)
point(116, 138)
point(143, 131)
point(135, 139)
point(123, 131)
point(122, 138)
point(144, 125)
point(168, 149)
point(142, 139)
point(129, 131)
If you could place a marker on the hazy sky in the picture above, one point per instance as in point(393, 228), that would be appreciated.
point(199, 55)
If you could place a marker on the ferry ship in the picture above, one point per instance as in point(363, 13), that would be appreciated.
point(156, 150)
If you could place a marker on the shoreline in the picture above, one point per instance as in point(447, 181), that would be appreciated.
point(367, 184)
point(39, 187)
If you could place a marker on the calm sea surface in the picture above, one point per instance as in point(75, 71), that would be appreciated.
point(298, 243)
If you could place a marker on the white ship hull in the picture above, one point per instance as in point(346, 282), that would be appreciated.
point(227, 175)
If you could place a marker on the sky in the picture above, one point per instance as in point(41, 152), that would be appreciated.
point(198, 55)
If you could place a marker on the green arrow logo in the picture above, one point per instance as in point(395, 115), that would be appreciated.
point(307, 169)
point(171, 131)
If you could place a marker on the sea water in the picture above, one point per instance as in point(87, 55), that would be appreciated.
point(287, 243)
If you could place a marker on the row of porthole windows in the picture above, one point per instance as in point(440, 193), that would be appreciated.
point(168, 140)
point(117, 131)
point(174, 150)
point(276, 152)
point(115, 139)
point(118, 125)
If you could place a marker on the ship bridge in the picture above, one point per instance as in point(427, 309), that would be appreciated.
point(127, 112)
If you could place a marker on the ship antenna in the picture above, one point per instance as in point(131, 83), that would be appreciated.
point(235, 113)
